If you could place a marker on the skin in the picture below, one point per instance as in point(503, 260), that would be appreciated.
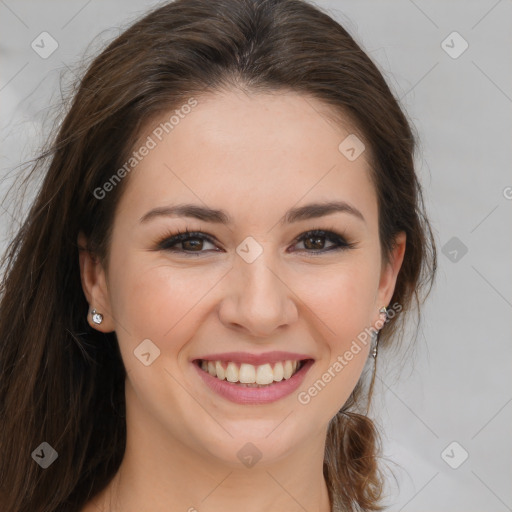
point(255, 156)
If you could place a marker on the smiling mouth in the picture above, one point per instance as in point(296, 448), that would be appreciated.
point(248, 375)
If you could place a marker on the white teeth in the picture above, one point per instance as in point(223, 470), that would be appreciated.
point(288, 369)
point(249, 374)
point(221, 373)
point(264, 374)
point(278, 372)
point(232, 372)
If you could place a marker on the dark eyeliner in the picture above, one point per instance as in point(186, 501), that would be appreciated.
point(339, 241)
point(170, 240)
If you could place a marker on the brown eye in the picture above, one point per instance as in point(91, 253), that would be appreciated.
point(191, 242)
point(314, 241)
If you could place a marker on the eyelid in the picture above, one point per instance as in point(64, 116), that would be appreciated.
point(182, 235)
point(332, 234)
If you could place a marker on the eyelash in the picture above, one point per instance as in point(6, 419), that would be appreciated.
point(172, 239)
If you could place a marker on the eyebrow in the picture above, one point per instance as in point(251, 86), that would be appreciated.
point(309, 211)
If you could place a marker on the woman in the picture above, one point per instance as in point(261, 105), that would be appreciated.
point(229, 230)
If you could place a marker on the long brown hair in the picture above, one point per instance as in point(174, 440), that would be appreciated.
point(63, 382)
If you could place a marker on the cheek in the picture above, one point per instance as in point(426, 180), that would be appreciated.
point(161, 303)
point(342, 297)
point(342, 304)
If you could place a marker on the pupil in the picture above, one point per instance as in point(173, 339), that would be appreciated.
point(317, 241)
point(192, 241)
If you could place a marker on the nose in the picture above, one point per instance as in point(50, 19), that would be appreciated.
point(258, 300)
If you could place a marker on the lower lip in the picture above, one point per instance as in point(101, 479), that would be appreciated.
point(244, 395)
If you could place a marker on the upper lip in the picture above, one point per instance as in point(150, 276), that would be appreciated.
point(255, 359)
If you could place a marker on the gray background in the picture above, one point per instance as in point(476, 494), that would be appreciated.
point(457, 385)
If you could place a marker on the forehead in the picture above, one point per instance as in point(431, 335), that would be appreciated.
point(241, 149)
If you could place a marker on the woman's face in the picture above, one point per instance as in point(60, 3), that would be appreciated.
point(254, 294)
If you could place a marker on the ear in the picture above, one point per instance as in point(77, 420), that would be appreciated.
point(94, 285)
point(390, 271)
